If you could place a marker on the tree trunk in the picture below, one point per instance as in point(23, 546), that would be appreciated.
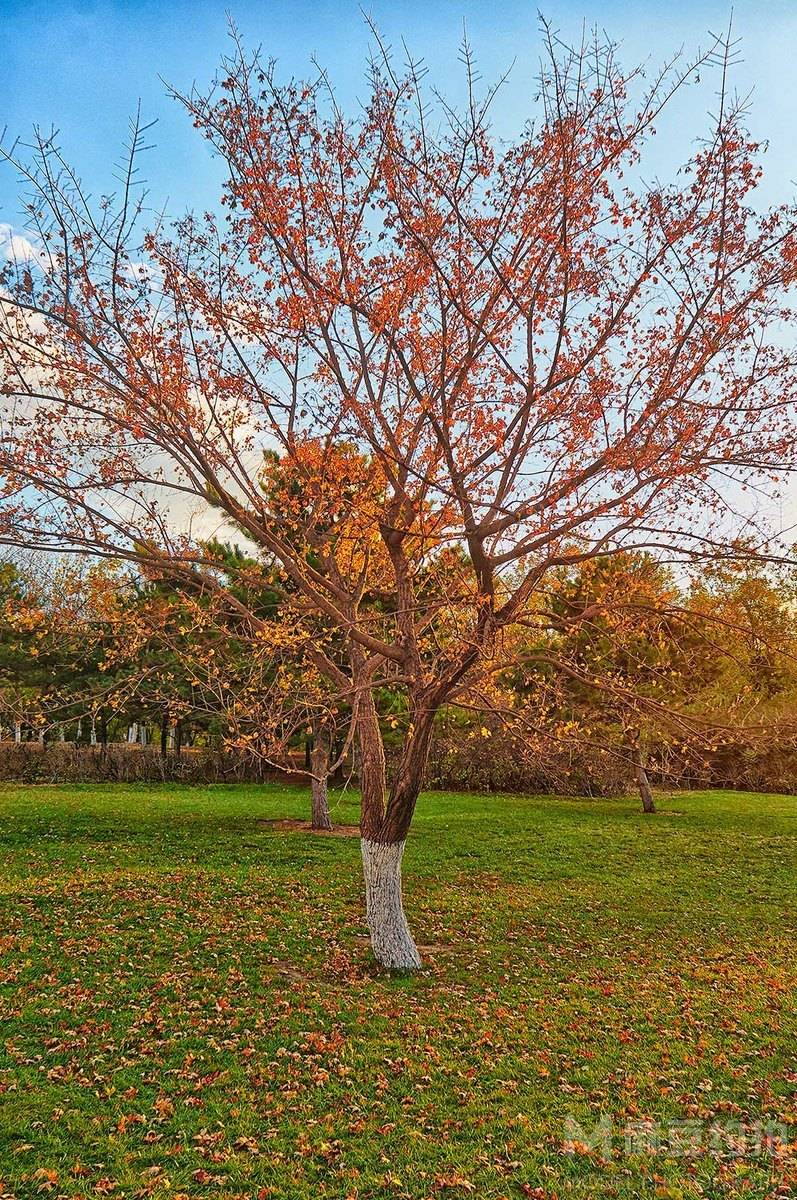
point(320, 813)
point(319, 765)
point(384, 826)
point(381, 849)
point(391, 939)
point(643, 783)
point(164, 739)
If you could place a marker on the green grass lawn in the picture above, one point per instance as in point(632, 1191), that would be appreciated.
point(189, 1006)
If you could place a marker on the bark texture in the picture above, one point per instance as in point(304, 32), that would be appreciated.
point(320, 804)
point(319, 747)
point(391, 939)
point(385, 819)
point(646, 795)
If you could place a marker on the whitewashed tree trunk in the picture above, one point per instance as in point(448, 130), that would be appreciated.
point(93, 733)
point(390, 934)
point(61, 734)
point(170, 738)
point(132, 733)
point(143, 735)
point(18, 731)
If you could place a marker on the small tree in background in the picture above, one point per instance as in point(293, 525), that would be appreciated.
point(616, 660)
point(480, 362)
point(235, 658)
point(56, 621)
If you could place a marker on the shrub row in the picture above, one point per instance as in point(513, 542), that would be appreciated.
point(65, 762)
point(468, 765)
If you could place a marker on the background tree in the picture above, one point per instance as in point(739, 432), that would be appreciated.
point(233, 660)
point(57, 620)
point(21, 629)
point(615, 660)
point(745, 667)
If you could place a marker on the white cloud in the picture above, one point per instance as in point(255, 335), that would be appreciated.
point(16, 247)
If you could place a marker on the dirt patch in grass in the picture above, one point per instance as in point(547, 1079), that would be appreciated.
point(294, 825)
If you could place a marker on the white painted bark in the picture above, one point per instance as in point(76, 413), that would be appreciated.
point(18, 731)
point(132, 733)
point(390, 934)
point(93, 734)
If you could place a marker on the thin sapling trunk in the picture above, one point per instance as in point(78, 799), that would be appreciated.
point(645, 793)
point(319, 766)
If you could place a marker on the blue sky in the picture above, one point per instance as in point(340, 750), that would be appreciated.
point(83, 65)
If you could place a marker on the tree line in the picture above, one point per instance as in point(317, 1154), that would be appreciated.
point(631, 672)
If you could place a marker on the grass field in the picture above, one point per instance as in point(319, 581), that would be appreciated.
point(189, 1007)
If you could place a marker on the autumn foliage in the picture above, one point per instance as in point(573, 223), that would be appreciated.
point(419, 369)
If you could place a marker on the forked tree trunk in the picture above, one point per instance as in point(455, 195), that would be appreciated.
point(646, 795)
